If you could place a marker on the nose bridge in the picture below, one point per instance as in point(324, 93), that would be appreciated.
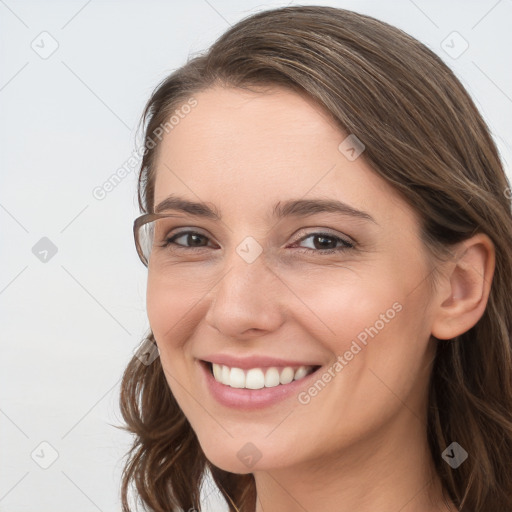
point(245, 297)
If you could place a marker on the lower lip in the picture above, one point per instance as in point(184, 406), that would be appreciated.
point(249, 399)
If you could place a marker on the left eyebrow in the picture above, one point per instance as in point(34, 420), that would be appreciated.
point(289, 208)
point(306, 207)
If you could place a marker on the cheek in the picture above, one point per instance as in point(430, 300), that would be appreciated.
point(371, 320)
point(377, 336)
point(174, 310)
point(339, 305)
point(171, 306)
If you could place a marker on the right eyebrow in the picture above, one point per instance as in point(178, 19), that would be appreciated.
point(198, 209)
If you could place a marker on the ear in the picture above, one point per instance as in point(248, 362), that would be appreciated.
point(463, 296)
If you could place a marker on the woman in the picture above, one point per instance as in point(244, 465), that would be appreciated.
point(327, 230)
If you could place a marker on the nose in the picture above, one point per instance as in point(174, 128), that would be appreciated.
point(246, 302)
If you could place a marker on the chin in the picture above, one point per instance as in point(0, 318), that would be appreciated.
point(242, 457)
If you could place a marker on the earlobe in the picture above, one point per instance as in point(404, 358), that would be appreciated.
point(463, 300)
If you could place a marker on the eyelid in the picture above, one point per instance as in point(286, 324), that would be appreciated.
point(303, 233)
point(191, 231)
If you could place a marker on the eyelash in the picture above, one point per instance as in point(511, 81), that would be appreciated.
point(347, 245)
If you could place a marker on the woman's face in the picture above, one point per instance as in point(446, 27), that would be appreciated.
point(271, 279)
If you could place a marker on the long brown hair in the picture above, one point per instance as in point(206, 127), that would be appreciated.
point(424, 135)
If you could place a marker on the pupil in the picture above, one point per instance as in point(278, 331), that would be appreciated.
point(197, 238)
point(331, 245)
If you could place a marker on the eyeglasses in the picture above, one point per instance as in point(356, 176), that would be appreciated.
point(151, 233)
point(144, 229)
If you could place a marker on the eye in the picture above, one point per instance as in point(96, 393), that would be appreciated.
point(326, 243)
point(191, 237)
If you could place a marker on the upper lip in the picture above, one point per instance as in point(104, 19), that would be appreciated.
point(254, 361)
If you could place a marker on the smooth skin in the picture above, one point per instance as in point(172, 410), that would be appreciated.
point(359, 444)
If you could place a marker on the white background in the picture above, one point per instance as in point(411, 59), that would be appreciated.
point(69, 325)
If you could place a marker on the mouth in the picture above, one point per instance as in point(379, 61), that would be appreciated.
point(258, 378)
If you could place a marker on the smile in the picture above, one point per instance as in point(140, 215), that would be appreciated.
point(262, 382)
point(258, 378)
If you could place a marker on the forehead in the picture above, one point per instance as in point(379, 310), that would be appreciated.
point(229, 122)
point(243, 149)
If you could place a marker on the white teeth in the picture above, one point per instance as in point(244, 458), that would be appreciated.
point(286, 375)
point(300, 373)
point(272, 378)
point(224, 374)
point(237, 378)
point(217, 372)
point(257, 378)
